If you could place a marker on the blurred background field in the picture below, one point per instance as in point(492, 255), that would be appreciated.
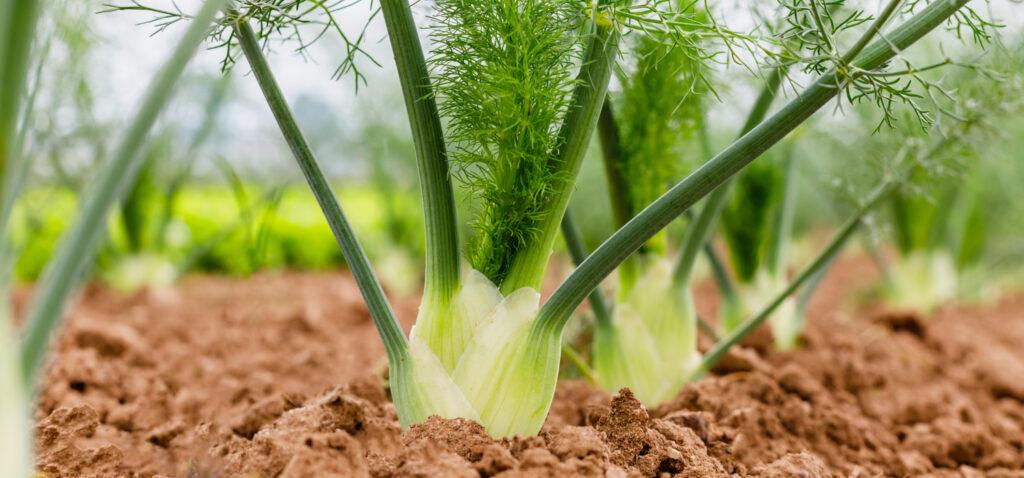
point(220, 195)
point(222, 233)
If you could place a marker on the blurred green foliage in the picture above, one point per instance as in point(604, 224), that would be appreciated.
point(207, 228)
point(747, 217)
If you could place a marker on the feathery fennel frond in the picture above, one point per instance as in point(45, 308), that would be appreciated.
point(691, 27)
point(504, 73)
point(817, 32)
point(294, 22)
point(965, 22)
point(660, 110)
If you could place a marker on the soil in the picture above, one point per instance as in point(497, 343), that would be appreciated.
point(281, 375)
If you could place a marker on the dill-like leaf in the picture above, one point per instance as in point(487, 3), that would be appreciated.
point(817, 32)
point(504, 71)
point(298, 22)
point(660, 109)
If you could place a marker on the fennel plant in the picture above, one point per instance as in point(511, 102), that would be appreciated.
point(648, 342)
point(483, 346)
point(757, 140)
point(942, 225)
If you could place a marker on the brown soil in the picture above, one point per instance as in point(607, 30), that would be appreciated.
point(279, 376)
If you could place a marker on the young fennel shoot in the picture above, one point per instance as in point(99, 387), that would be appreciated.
point(807, 278)
point(658, 354)
point(757, 227)
point(648, 342)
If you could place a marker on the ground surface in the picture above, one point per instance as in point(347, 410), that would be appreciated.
point(278, 376)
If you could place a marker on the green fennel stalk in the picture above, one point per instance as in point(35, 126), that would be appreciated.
point(380, 310)
point(20, 366)
point(16, 164)
point(707, 218)
point(17, 32)
point(442, 241)
point(577, 250)
point(79, 244)
point(612, 156)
